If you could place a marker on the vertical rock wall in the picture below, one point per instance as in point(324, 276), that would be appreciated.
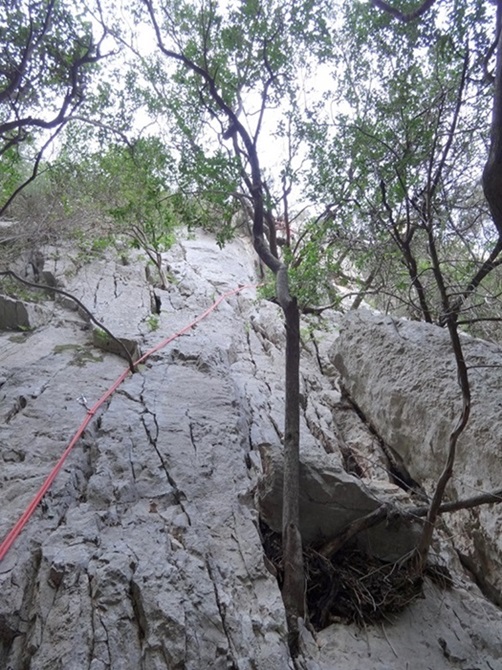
point(146, 553)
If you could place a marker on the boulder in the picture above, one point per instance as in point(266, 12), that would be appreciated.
point(21, 315)
point(330, 499)
point(403, 377)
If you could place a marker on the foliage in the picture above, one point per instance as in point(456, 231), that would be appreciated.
point(403, 160)
point(396, 142)
point(128, 185)
point(48, 56)
point(153, 322)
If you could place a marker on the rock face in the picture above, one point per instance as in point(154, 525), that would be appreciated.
point(403, 377)
point(146, 552)
point(19, 315)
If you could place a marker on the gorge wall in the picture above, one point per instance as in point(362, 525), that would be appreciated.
point(147, 550)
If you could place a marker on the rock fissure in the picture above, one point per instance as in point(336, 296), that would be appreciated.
point(92, 632)
point(96, 291)
point(18, 405)
point(317, 353)
point(278, 431)
point(139, 614)
point(478, 573)
point(193, 441)
point(153, 440)
point(105, 641)
point(133, 397)
point(131, 462)
point(250, 350)
point(396, 468)
point(222, 613)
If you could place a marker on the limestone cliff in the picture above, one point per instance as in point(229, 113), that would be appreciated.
point(147, 551)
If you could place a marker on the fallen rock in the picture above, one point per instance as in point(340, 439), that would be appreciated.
point(120, 345)
point(21, 315)
point(330, 499)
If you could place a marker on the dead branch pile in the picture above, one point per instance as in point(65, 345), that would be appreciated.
point(353, 587)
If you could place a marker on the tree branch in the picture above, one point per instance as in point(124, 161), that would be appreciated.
point(389, 511)
point(401, 16)
point(53, 289)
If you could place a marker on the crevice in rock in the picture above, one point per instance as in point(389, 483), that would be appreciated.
point(189, 359)
point(222, 610)
point(276, 428)
point(261, 335)
point(139, 613)
point(19, 404)
point(131, 397)
point(92, 645)
point(152, 438)
point(89, 444)
point(131, 461)
point(155, 303)
point(250, 349)
point(317, 355)
point(106, 641)
point(9, 630)
point(477, 573)
point(330, 446)
point(96, 292)
point(76, 487)
point(250, 445)
point(396, 468)
point(191, 432)
point(27, 622)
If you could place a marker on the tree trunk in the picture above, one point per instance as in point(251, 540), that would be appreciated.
point(294, 582)
point(492, 174)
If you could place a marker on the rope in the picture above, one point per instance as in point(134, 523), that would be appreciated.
point(24, 518)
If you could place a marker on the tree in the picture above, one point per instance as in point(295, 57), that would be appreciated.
point(412, 130)
point(47, 60)
point(406, 158)
point(130, 186)
point(231, 76)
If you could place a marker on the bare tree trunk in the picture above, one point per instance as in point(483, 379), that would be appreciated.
point(463, 382)
point(293, 591)
point(294, 582)
point(366, 287)
point(492, 174)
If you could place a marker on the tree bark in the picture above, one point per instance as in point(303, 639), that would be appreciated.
point(294, 582)
point(492, 174)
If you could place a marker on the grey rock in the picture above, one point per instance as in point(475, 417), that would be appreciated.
point(403, 376)
point(145, 552)
point(21, 315)
point(120, 345)
point(330, 499)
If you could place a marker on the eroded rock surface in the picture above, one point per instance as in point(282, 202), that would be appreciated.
point(146, 552)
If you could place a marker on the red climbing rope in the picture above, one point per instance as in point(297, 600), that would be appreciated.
point(16, 530)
